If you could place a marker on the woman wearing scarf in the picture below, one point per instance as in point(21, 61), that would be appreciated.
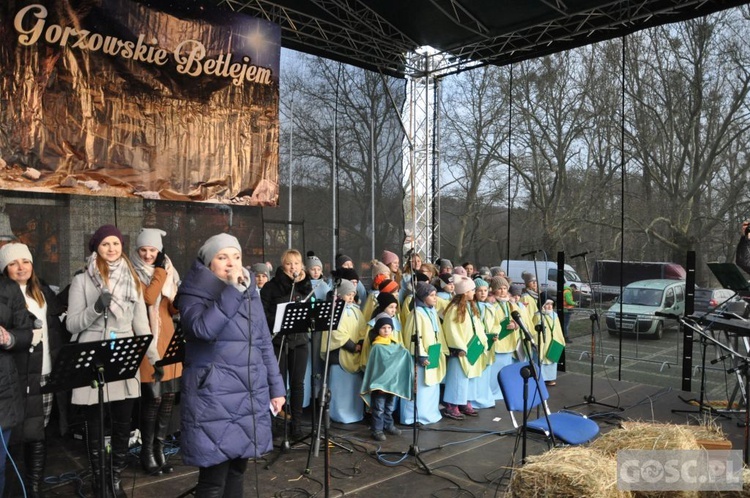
point(159, 281)
point(105, 303)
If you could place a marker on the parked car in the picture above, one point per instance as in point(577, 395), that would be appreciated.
point(706, 300)
point(640, 301)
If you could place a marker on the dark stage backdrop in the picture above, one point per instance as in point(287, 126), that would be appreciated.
point(156, 99)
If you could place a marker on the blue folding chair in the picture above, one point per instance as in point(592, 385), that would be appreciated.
point(569, 427)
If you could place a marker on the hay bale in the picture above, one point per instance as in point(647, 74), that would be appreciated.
point(745, 493)
point(709, 431)
point(646, 436)
point(573, 471)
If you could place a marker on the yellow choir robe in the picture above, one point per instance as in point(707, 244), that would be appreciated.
point(349, 328)
point(427, 337)
point(458, 334)
point(551, 323)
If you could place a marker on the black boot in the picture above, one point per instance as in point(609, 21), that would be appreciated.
point(35, 453)
point(120, 442)
point(162, 426)
point(93, 442)
point(149, 410)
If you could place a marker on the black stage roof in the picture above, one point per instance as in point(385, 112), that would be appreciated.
point(378, 34)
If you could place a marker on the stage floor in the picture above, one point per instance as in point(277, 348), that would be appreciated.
point(465, 458)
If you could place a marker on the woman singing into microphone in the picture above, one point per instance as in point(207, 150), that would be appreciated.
point(291, 283)
point(230, 374)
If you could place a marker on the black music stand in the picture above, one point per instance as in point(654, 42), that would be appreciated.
point(93, 364)
point(297, 318)
point(175, 352)
point(730, 277)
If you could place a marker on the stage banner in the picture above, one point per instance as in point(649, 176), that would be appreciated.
point(159, 99)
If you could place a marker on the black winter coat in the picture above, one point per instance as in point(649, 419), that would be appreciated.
point(277, 290)
point(15, 318)
point(29, 364)
point(742, 258)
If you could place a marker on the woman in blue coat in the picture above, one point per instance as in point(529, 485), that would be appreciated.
point(228, 355)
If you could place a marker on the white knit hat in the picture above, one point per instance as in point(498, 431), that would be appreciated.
point(150, 237)
point(463, 284)
point(13, 251)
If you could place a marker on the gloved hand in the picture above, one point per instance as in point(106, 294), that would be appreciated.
point(158, 373)
point(103, 302)
point(160, 261)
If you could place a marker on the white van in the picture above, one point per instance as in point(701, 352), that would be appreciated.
point(546, 272)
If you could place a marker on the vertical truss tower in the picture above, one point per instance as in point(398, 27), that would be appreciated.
point(421, 153)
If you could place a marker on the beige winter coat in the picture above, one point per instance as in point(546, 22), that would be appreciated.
point(87, 325)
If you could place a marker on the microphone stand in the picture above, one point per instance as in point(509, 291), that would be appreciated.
point(324, 413)
point(414, 447)
point(285, 445)
point(529, 346)
point(595, 328)
point(540, 329)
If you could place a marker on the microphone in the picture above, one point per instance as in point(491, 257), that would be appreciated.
point(579, 255)
point(409, 253)
point(37, 322)
point(673, 316)
point(720, 358)
point(106, 308)
point(540, 328)
point(294, 282)
point(517, 318)
point(530, 253)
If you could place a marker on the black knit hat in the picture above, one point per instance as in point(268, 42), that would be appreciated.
point(385, 299)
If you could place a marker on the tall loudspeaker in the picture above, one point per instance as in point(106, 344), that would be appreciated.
point(687, 332)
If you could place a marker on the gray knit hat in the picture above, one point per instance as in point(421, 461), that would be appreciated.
point(424, 289)
point(261, 268)
point(346, 287)
point(150, 237)
point(312, 260)
point(215, 244)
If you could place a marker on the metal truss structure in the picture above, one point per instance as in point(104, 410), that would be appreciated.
point(425, 40)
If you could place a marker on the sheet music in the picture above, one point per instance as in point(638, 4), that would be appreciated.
point(280, 309)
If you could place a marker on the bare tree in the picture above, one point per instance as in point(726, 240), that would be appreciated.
point(475, 130)
point(354, 102)
point(688, 85)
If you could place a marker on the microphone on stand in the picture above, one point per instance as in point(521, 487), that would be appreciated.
point(530, 253)
point(106, 308)
point(517, 318)
point(294, 282)
point(579, 255)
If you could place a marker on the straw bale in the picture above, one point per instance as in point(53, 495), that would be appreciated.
point(710, 432)
point(572, 471)
point(646, 436)
point(745, 493)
